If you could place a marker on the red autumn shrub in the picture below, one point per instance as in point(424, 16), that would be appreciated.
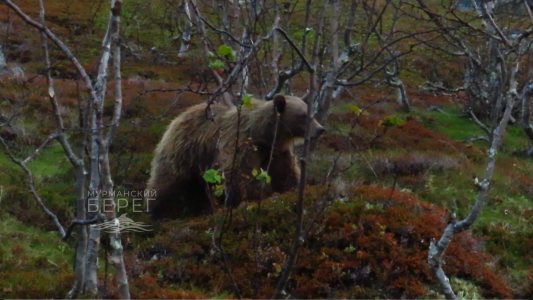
point(413, 135)
point(374, 245)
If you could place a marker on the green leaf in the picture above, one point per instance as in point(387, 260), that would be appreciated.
point(255, 172)
point(212, 176)
point(349, 249)
point(263, 176)
point(216, 64)
point(247, 100)
point(392, 121)
point(219, 190)
point(224, 50)
point(354, 109)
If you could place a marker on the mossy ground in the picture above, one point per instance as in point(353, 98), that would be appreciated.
point(33, 263)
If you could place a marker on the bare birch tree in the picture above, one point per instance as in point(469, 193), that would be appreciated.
point(186, 33)
point(489, 53)
point(100, 176)
point(492, 80)
point(352, 64)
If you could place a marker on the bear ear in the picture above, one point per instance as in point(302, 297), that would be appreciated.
point(280, 103)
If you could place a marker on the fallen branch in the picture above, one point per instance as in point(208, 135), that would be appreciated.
point(477, 138)
point(436, 108)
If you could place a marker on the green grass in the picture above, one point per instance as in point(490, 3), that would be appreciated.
point(35, 242)
point(510, 211)
point(457, 127)
point(33, 263)
point(52, 161)
point(5, 162)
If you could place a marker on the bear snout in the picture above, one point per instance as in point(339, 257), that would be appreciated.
point(319, 131)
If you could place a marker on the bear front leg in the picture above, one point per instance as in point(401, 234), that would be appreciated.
point(235, 188)
point(284, 172)
point(238, 173)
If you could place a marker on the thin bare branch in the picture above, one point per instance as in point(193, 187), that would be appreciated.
point(298, 238)
point(41, 147)
point(31, 187)
point(479, 123)
point(79, 222)
point(284, 76)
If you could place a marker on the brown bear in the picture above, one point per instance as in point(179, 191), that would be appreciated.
point(261, 135)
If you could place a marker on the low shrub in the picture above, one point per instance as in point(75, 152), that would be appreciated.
point(375, 244)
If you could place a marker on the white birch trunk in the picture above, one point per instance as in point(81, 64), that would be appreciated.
point(186, 34)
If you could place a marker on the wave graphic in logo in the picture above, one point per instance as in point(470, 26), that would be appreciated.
point(123, 224)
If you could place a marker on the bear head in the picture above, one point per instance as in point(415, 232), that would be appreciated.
point(293, 117)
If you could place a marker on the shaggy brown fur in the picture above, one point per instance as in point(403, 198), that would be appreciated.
point(193, 144)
